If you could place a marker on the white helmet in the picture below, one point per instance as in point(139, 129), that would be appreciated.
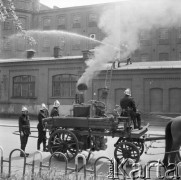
point(56, 103)
point(24, 109)
point(127, 92)
point(43, 106)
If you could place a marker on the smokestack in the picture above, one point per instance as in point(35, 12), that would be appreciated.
point(30, 53)
point(82, 87)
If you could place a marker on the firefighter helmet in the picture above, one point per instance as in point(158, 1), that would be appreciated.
point(43, 106)
point(127, 92)
point(24, 109)
point(56, 103)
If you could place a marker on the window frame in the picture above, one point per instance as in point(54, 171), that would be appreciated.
point(23, 86)
point(69, 83)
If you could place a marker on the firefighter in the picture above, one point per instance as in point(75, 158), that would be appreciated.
point(43, 113)
point(55, 111)
point(24, 130)
point(128, 106)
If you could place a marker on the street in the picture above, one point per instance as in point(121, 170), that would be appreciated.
point(9, 141)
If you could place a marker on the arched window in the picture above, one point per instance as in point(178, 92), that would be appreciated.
point(64, 85)
point(24, 86)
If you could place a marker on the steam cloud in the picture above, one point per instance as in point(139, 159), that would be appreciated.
point(122, 24)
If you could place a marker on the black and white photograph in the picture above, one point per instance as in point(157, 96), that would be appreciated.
point(90, 90)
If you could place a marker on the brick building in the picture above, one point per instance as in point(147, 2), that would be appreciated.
point(158, 44)
point(155, 81)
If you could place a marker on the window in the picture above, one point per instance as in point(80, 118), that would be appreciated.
point(64, 85)
point(23, 22)
point(46, 23)
point(46, 44)
point(61, 22)
point(145, 38)
point(163, 36)
point(24, 86)
point(163, 33)
point(163, 57)
point(6, 44)
point(179, 33)
point(144, 35)
point(7, 25)
point(76, 21)
point(76, 44)
point(92, 21)
point(21, 44)
point(62, 43)
point(144, 57)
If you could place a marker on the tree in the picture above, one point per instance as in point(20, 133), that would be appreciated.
point(7, 10)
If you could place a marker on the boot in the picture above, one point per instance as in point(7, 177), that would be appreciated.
point(45, 147)
point(139, 121)
point(134, 123)
point(38, 145)
point(139, 124)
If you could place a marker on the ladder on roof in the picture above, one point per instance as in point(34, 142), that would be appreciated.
point(108, 84)
point(108, 77)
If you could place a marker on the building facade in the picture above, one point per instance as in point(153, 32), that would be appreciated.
point(155, 87)
point(155, 81)
point(61, 27)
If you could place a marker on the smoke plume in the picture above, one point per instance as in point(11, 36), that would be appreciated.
point(122, 24)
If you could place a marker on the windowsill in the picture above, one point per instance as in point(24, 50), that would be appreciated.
point(57, 97)
point(23, 97)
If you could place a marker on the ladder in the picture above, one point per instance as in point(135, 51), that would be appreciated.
point(108, 84)
point(108, 77)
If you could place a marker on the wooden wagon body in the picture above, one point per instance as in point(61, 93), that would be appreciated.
point(72, 134)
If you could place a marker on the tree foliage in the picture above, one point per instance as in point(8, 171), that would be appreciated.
point(7, 11)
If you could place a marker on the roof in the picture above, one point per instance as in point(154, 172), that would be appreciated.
point(150, 65)
point(38, 59)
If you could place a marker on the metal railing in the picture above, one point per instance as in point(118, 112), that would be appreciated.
point(75, 169)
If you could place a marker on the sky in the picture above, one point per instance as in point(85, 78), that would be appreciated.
point(70, 3)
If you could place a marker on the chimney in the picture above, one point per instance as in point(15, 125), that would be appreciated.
point(88, 54)
point(56, 52)
point(30, 53)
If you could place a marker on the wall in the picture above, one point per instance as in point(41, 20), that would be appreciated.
point(155, 87)
point(43, 70)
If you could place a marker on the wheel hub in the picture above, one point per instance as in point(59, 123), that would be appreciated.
point(126, 153)
point(63, 147)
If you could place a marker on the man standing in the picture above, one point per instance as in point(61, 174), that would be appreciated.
point(43, 113)
point(55, 111)
point(24, 130)
point(128, 106)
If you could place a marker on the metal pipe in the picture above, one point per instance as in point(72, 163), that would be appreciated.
point(24, 156)
point(84, 165)
point(1, 159)
point(95, 164)
point(65, 158)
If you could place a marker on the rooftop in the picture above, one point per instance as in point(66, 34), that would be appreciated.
point(122, 65)
point(36, 59)
point(150, 65)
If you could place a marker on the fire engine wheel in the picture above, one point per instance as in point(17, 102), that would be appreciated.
point(139, 144)
point(63, 141)
point(126, 150)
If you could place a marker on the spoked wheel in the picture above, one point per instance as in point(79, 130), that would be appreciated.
point(126, 150)
point(63, 141)
point(137, 143)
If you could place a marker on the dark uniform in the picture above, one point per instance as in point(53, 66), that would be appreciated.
point(128, 106)
point(54, 112)
point(41, 130)
point(24, 129)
